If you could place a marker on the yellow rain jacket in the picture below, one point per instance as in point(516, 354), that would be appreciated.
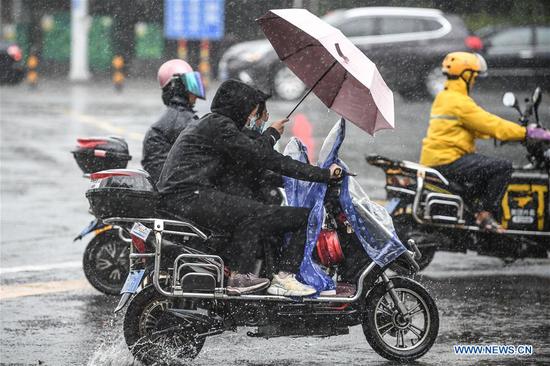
point(456, 121)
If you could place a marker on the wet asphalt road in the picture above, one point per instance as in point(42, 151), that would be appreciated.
point(49, 314)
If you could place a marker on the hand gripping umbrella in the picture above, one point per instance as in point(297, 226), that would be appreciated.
point(331, 66)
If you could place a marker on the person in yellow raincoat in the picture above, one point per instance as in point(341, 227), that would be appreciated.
point(456, 121)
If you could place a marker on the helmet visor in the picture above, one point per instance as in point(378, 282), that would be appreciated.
point(482, 66)
point(193, 84)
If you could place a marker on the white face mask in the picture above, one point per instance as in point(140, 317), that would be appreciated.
point(253, 125)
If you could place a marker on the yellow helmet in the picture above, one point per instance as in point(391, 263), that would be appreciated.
point(456, 63)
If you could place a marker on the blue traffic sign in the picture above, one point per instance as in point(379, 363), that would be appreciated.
point(193, 19)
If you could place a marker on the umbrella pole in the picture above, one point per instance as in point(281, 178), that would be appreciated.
point(311, 89)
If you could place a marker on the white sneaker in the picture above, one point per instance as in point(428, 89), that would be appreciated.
point(289, 286)
point(328, 293)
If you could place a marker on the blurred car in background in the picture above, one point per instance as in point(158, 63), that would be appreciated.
point(517, 52)
point(406, 44)
point(12, 68)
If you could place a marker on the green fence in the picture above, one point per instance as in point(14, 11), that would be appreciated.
point(56, 40)
point(56, 37)
point(149, 41)
point(100, 41)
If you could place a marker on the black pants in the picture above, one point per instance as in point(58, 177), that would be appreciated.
point(485, 179)
point(249, 222)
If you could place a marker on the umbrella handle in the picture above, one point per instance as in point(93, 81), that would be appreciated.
point(311, 89)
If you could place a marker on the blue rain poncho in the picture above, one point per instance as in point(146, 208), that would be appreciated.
point(371, 223)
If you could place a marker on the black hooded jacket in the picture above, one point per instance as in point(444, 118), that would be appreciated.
point(244, 179)
point(199, 156)
point(163, 134)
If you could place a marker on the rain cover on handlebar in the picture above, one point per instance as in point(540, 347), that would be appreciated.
point(300, 193)
point(371, 223)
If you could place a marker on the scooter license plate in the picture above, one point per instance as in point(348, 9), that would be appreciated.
point(392, 205)
point(132, 282)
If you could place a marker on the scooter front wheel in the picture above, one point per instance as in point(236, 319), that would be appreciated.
point(394, 335)
point(106, 262)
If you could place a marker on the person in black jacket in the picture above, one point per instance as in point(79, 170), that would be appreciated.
point(188, 188)
point(243, 179)
point(248, 180)
point(181, 87)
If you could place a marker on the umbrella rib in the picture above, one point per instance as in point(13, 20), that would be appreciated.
point(335, 62)
point(313, 87)
point(301, 49)
point(339, 88)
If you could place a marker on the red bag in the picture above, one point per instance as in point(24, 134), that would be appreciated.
point(328, 248)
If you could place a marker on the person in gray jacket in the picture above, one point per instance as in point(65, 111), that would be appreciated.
point(181, 86)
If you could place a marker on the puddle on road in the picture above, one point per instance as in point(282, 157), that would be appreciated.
point(494, 310)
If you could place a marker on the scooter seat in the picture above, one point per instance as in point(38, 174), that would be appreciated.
point(457, 188)
point(171, 216)
point(216, 242)
point(406, 167)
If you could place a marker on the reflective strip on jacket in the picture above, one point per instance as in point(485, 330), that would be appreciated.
point(456, 121)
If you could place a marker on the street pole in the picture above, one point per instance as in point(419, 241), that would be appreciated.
point(204, 61)
point(1, 23)
point(79, 40)
point(17, 12)
point(182, 50)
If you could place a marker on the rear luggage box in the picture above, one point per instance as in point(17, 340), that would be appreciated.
point(122, 193)
point(524, 202)
point(94, 154)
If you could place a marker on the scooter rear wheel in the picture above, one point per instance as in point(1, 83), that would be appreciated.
point(394, 336)
point(105, 262)
point(152, 340)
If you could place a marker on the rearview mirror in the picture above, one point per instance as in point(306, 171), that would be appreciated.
point(509, 99)
point(536, 96)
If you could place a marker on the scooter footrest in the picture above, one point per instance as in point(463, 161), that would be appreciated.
point(302, 330)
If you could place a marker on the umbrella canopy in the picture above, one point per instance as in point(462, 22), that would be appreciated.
point(332, 67)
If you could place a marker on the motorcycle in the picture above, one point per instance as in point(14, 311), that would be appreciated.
point(105, 261)
point(429, 209)
point(177, 297)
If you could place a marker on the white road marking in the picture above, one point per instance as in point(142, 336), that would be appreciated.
point(41, 288)
point(41, 268)
point(104, 125)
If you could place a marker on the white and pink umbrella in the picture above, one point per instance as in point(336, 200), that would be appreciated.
point(331, 66)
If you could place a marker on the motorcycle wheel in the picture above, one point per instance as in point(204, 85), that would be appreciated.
point(106, 262)
point(148, 337)
point(393, 336)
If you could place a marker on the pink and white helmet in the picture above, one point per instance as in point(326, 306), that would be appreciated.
point(170, 68)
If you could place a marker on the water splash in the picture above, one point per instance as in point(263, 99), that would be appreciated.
point(113, 353)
